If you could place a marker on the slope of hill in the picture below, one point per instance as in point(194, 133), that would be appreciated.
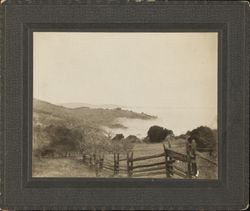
point(78, 105)
point(54, 125)
point(47, 113)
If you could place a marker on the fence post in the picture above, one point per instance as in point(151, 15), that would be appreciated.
point(96, 165)
point(101, 162)
point(193, 158)
point(94, 156)
point(189, 172)
point(130, 164)
point(166, 161)
point(128, 169)
point(115, 163)
point(83, 157)
point(118, 163)
point(90, 160)
point(94, 160)
point(189, 164)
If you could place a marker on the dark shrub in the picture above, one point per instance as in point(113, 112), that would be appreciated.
point(205, 139)
point(62, 141)
point(158, 134)
point(133, 139)
point(47, 152)
point(118, 137)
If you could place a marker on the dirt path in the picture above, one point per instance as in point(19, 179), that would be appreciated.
point(60, 167)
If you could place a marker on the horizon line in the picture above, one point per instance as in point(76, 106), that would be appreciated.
point(126, 106)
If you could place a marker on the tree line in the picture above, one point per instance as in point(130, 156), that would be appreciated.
point(62, 141)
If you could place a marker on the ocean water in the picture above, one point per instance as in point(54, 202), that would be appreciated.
point(179, 120)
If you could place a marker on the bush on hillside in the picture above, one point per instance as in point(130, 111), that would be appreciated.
point(62, 141)
point(133, 139)
point(118, 137)
point(158, 134)
point(205, 139)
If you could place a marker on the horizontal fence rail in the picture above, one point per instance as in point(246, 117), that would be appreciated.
point(156, 173)
point(177, 155)
point(114, 165)
point(150, 169)
point(149, 165)
point(206, 159)
point(148, 157)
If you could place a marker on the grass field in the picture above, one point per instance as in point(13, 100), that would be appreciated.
point(73, 167)
point(60, 167)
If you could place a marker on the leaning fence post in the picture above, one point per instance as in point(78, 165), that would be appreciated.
point(166, 161)
point(194, 166)
point(193, 158)
point(189, 173)
point(189, 165)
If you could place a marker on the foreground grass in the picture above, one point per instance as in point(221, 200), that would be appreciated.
point(73, 167)
point(60, 167)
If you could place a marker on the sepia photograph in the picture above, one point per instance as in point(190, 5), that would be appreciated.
point(125, 105)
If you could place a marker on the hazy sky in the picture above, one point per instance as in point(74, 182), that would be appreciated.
point(130, 69)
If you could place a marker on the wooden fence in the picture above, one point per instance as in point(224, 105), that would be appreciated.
point(168, 163)
point(146, 166)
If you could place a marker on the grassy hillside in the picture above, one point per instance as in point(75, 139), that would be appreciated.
point(92, 117)
point(60, 132)
point(47, 116)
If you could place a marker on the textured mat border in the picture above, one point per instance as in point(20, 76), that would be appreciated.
point(112, 2)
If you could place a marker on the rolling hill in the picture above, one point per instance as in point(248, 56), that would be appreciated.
point(88, 120)
point(47, 113)
point(78, 105)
